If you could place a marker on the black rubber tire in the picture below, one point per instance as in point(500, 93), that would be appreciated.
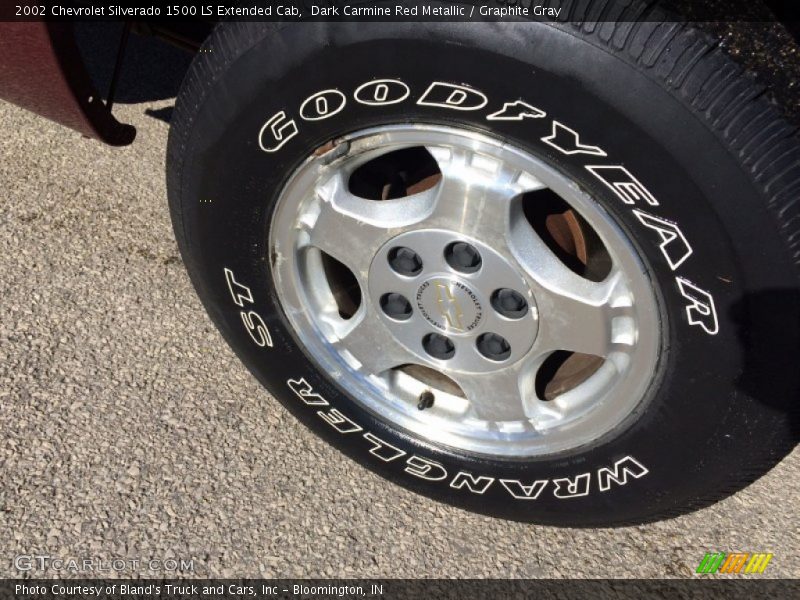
point(660, 99)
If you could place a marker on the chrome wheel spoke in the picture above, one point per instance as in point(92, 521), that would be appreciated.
point(351, 229)
point(575, 314)
point(366, 339)
point(474, 194)
point(587, 317)
point(495, 397)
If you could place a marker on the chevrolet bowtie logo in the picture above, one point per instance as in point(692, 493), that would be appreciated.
point(448, 306)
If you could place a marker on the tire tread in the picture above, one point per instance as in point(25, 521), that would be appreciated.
point(732, 103)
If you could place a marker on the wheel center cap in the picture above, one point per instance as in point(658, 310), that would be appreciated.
point(453, 301)
point(450, 305)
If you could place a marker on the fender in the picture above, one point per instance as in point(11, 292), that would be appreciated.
point(41, 70)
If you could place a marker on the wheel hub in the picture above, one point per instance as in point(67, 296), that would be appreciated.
point(450, 291)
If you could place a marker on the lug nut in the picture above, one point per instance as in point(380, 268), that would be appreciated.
point(493, 346)
point(396, 306)
point(509, 303)
point(405, 261)
point(462, 257)
point(438, 346)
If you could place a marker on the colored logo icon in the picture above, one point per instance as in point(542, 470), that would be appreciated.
point(739, 562)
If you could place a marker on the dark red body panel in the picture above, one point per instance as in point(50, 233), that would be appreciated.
point(42, 70)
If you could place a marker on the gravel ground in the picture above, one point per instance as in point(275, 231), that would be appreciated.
point(130, 430)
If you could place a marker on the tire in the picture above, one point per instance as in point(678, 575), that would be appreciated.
point(701, 176)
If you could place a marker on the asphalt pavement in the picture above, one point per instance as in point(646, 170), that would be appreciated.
point(130, 432)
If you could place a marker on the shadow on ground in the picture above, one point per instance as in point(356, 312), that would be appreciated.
point(152, 69)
